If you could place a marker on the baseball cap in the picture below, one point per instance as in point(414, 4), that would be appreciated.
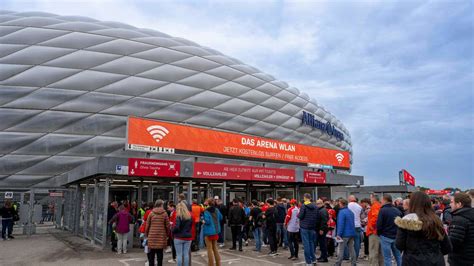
point(293, 201)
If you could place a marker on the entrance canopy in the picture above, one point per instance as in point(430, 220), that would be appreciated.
point(119, 168)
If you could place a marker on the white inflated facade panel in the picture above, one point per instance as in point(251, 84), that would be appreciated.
point(68, 83)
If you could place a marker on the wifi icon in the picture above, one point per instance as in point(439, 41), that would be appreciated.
point(158, 132)
point(339, 157)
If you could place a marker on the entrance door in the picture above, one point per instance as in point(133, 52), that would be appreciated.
point(287, 193)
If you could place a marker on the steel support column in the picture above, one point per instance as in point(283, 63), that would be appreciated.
point(105, 210)
point(96, 210)
point(190, 192)
point(140, 195)
point(86, 211)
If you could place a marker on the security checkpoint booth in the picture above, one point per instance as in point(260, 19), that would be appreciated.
point(209, 163)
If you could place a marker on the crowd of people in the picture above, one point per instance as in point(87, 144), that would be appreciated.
point(417, 230)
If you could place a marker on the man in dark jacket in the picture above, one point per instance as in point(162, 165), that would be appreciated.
point(223, 210)
point(271, 225)
point(387, 230)
point(309, 218)
point(281, 230)
point(321, 230)
point(461, 231)
point(236, 221)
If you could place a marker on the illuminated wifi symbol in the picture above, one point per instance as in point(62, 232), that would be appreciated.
point(339, 157)
point(157, 132)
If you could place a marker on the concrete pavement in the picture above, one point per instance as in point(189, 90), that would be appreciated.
point(56, 247)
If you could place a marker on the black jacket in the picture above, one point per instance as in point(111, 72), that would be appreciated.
point(461, 234)
point(236, 215)
point(270, 219)
point(183, 228)
point(447, 216)
point(223, 210)
point(281, 213)
point(309, 216)
point(416, 247)
point(323, 221)
point(7, 213)
point(386, 221)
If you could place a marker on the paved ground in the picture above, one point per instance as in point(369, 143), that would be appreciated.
point(55, 247)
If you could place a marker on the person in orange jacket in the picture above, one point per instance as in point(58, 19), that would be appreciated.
point(197, 211)
point(375, 250)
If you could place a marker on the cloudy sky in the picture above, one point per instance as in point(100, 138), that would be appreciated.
point(399, 75)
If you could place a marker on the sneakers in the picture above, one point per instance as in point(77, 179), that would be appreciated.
point(232, 248)
point(273, 253)
point(222, 245)
point(10, 236)
point(172, 261)
point(246, 243)
point(295, 258)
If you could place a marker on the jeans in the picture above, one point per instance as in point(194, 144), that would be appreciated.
point(265, 235)
point(7, 227)
point(357, 243)
point(322, 242)
point(282, 235)
point(293, 243)
point(236, 235)
point(257, 234)
point(151, 257)
point(195, 242)
point(308, 237)
point(388, 247)
point(221, 234)
point(182, 251)
point(348, 242)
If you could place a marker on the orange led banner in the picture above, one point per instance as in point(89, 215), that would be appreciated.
point(164, 137)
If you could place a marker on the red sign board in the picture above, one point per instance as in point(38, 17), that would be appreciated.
point(409, 179)
point(56, 194)
point(314, 177)
point(437, 192)
point(151, 167)
point(242, 173)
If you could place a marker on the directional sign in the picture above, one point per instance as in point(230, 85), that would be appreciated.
point(314, 177)
point(151, 167)
point(242, 173)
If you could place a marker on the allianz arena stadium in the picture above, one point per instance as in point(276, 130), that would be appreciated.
point(69, 83)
